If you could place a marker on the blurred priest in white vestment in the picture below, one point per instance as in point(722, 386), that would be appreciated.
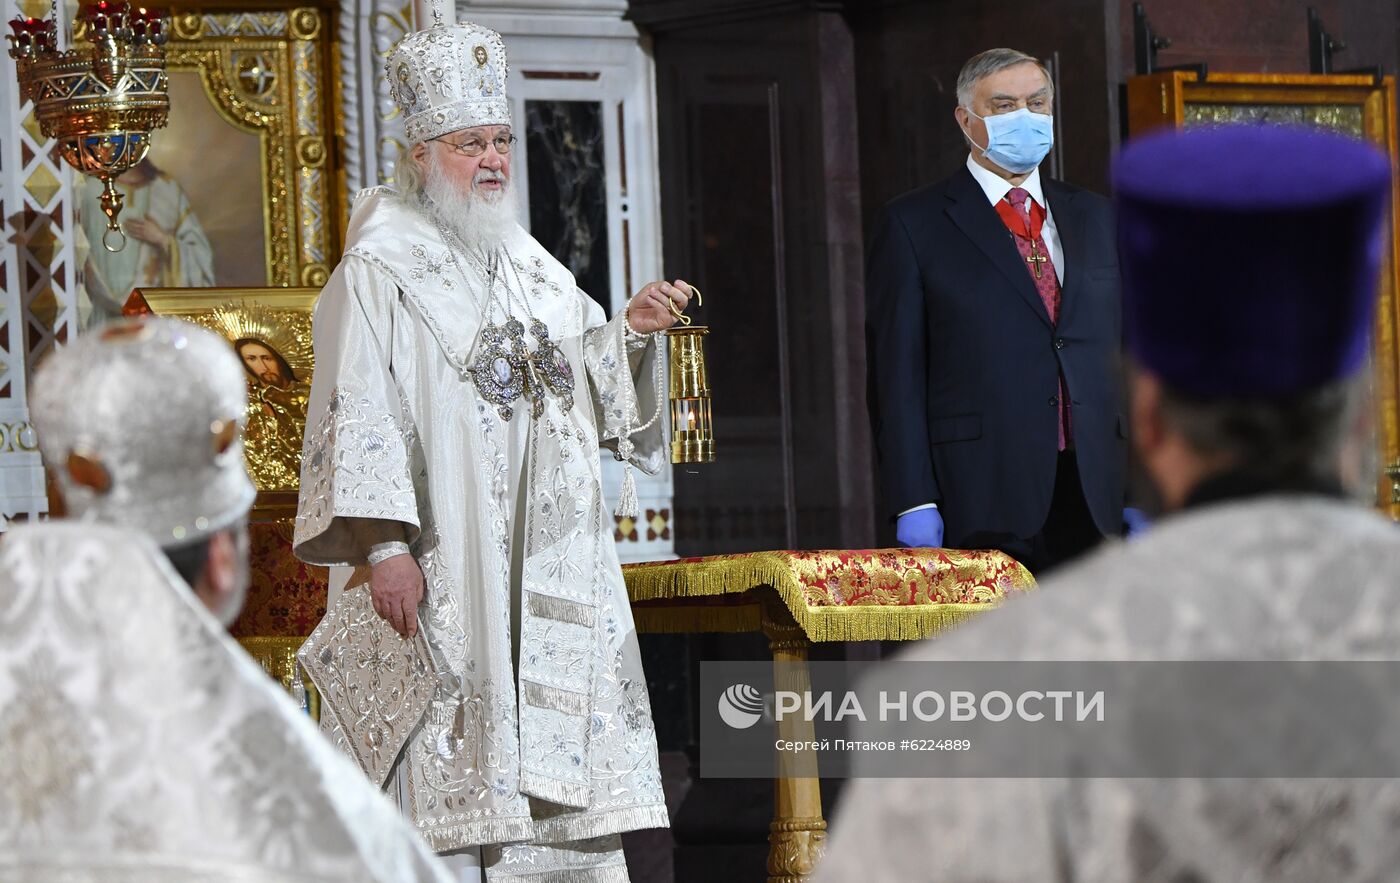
point(138, 742)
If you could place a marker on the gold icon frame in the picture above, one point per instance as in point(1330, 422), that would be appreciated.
point(1359, 105)
point(269, 72)
point(290, 310)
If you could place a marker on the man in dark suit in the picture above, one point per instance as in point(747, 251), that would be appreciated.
point(993, 319)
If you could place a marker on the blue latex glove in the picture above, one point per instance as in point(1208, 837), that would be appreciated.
point(922, 528)
point(1136, 522)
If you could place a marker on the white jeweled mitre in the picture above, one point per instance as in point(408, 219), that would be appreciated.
point(449, 77)
point(141, 423)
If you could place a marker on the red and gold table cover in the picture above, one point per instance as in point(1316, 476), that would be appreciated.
point(845, 595)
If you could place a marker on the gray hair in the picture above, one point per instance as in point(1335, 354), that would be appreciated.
point(409, 177)
point(992, 61)
point(1281, 439)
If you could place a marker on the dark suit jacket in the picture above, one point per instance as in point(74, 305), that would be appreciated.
point(964, 363)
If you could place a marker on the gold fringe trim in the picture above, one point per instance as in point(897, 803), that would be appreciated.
point(910, 622)
point(554, 699)
point(596, 823)
point(555, 790)
point(734, 575)
point(562, 609)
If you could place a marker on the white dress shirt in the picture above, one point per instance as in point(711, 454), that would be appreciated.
point(996, 187)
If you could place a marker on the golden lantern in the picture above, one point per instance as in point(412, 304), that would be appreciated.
point(692, 423)
point(101, 100)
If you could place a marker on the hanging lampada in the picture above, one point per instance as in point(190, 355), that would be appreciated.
point(692, 423)
point(101, 99)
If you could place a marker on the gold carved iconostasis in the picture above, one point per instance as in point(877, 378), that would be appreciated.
point(234, 222)
point(1358, 105)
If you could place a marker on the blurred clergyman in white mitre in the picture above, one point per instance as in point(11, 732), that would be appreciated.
point(463, 386)
point(165, 245)
point(138, 742)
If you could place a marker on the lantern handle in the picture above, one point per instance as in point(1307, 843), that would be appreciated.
point(682, 317)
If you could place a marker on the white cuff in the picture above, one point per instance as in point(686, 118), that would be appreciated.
point(917, 508)
point(384, 551)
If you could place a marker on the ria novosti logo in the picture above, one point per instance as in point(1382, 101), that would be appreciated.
point(741, 706)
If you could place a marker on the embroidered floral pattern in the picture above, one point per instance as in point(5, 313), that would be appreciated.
point(375, 684)
point(355, 463)
point(533, 269)
point(546, 755)
point(48, 755)
point(152, 744)
point(262, 776)
point(440, 269)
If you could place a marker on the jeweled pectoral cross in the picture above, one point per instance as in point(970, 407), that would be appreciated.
point(1036, 258)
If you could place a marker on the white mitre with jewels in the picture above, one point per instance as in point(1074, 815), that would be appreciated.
point(449, 77)
point(141, 423)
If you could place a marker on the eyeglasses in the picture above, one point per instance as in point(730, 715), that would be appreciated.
point(476, 147)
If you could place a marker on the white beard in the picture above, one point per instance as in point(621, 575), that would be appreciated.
point(481, 220)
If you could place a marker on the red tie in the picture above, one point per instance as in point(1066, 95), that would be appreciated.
point(1025, 218)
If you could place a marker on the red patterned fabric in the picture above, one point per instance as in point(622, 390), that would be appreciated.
point(875, 577)
point(286, 597)
point(835, 595)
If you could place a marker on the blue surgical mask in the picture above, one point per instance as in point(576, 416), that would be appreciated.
point(1019, 140)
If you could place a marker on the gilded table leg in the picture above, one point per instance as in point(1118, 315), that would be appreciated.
point(797, 835)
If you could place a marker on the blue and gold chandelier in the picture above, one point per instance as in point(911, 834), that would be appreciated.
point(101, 99)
